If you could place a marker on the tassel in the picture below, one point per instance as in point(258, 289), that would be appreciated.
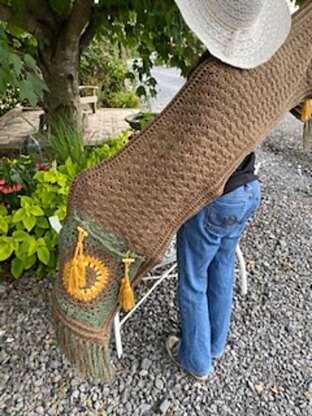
point(307, 110)
point(77, 271)
point(126, 296)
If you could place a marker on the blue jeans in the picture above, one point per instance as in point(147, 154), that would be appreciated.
point(206, 246)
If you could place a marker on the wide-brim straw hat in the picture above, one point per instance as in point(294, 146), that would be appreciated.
point(241, 33)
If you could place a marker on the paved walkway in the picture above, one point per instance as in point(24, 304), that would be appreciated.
point(106, 122)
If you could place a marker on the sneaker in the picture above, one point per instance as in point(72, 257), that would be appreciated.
point(172, 345)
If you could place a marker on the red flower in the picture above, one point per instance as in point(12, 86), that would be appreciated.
point(2, 181)
point(17, 187)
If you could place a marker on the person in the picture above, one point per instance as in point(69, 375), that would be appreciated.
point(206, 246)
point(206, 243)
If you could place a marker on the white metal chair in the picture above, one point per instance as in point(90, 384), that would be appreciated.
point(169, 261)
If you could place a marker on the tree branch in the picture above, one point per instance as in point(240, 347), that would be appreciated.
point(88, 34)
point(79, 18)
point(26, 22)
point(43, 12)
point(90, 30)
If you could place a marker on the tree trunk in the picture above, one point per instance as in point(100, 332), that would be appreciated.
point(60, 72)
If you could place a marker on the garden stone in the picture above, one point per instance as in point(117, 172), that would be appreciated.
point(159, 384)
point(269, 341)
point(2, 336)
point(3, 289)
point(164, 406)
point(146, 363)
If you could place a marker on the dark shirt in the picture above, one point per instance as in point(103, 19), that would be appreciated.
point(243, 174)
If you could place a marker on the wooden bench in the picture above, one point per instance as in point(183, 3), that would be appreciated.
point(89, 99)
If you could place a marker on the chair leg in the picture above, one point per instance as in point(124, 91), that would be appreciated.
point(242, 266)
point(117, 333)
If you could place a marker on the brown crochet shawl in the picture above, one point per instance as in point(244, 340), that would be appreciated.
point(138, 199)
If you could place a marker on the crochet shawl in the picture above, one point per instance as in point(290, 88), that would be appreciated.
point(123, 213)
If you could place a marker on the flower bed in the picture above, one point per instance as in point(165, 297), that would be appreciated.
point(31, 192)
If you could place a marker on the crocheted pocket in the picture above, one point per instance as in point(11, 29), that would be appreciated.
point(95, 275)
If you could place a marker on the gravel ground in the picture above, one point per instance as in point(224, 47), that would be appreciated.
point(266, 369)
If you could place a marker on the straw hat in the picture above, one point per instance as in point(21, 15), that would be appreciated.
point(242, 33)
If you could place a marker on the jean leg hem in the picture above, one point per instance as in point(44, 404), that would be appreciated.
point(193, 372)
point(217, 355)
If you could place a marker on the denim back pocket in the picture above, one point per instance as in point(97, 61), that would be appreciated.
point(222, 216)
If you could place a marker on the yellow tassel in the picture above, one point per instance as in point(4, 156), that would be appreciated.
point(77, 271)
point(307, 110)
point(126, 296)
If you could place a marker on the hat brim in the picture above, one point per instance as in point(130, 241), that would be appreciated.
point(253, 46)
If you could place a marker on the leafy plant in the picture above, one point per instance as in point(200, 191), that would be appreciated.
point(124, 99)
point(17, 178)
point(66, 142)
point(64, 29)
point(26, 237)
point(102, 66)
point(20, 71)
point(9, 99)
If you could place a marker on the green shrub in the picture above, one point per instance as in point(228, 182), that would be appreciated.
point(102, 66)
point(26, 237)
point(125, 99)
point(17, 178)
point(19, 79)
point(63, 142)
point(9, 100)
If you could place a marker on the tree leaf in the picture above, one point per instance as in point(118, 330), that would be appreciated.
point(27, 92)
point(4, 79)
point(61, 7)
point(17, 64)
point(38, 84)
point(141, 91)
point(30, 62)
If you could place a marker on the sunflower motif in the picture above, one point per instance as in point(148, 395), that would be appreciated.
point(80, 288)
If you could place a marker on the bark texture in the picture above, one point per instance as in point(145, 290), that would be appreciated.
point(61, 39)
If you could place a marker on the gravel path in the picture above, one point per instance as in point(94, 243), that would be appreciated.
point(266, 369)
